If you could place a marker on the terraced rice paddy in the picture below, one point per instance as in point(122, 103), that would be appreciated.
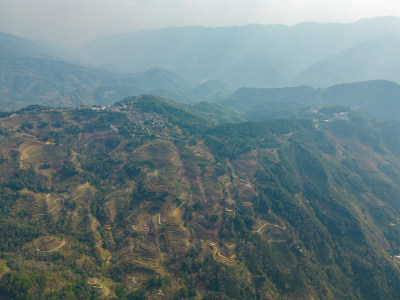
point(177, 235)
point(99, 284)
point(223, 254)
point(49, 244)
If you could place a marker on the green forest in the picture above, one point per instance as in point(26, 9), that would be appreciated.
point(147, 200)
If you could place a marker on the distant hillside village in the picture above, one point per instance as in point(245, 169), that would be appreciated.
point(141, 119)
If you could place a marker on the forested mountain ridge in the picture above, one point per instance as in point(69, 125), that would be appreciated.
point(144, 199)
point(379, 98)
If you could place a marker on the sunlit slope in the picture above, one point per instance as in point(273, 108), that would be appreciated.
point(147, 200)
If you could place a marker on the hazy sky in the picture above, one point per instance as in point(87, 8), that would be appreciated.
point(72, 22)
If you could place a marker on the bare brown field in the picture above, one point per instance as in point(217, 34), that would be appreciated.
point(35, 153)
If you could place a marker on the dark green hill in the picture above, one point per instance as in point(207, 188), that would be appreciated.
point(143, 198)
point(380, 98)
point(216, 112)
point(245, 98)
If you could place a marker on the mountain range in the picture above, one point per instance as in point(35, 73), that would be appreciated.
point(307, 54)
point(313, 54)
point(28, 75)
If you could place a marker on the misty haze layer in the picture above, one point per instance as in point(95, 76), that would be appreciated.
point(260, 56)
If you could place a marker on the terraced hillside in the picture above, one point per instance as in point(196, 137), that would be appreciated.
point(145, 200)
